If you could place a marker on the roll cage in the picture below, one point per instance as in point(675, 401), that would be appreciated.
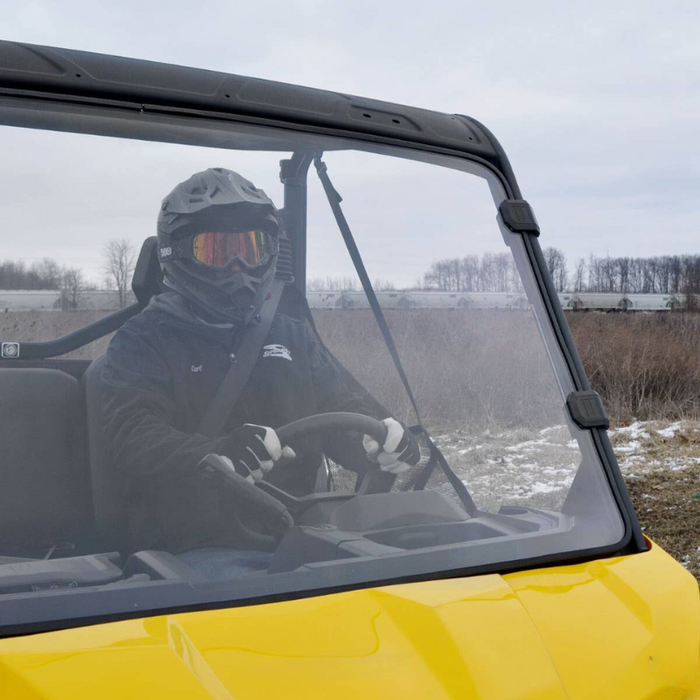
point(60, 89)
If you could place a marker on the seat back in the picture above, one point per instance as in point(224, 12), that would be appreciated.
point(107, 486)
point(147, 280)
point(44, 477)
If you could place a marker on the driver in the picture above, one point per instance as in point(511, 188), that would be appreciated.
point(218, 244)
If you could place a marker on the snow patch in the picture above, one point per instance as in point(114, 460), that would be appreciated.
point(632, 446)
point(536, 467)
point(670, 431)
point(638, 429)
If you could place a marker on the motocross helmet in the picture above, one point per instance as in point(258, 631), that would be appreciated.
point(218, 241)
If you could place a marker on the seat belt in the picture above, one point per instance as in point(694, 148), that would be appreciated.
point(334, 199)
point(241, 368)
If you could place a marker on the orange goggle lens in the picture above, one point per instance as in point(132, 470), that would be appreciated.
point(219, 248)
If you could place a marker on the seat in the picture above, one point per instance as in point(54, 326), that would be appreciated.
point(44, 477)
point(107, 486)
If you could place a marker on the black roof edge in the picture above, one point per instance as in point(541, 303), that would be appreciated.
point(66, 72)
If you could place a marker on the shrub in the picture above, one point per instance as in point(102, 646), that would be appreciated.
point(645, 366)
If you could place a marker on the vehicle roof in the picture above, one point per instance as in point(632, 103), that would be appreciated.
point(60, 73)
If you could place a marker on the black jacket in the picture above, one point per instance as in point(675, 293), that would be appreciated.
point(163, 370)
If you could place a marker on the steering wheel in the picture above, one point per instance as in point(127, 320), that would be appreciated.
point(271, 502)
point(350, 422)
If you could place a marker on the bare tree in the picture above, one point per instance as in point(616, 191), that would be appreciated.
point(668, 274)
point(49, 272)
point(42, 275)
point(492, 272)
point(691, 281)
point(380, 285)
point(579, 274)
point(72, 286)
point(331, 284)
point(119, 262)
point(556, 263)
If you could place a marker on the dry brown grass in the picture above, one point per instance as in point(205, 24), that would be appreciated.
point(485, 368)
point(646, 366)
point(470, 369)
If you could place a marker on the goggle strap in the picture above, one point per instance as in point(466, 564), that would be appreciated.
point(175, 251)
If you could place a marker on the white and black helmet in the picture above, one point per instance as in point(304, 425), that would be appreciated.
point(217, 200)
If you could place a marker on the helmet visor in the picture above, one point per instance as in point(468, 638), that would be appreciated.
point(219, 248)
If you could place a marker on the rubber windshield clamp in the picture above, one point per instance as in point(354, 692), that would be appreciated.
point(519, 217)
point(587, 410)
point(10, 351)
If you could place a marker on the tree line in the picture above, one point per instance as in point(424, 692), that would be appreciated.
point(489, 272)
point(345, 284)
point(666, 274)
point(47, 274)
point(118, 262)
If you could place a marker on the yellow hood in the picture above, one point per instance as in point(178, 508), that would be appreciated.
point(623, 629)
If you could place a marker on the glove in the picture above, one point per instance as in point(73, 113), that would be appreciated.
point(252, 451)
point(399, 452)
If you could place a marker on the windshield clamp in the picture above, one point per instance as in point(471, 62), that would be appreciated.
point(587, 410)
point(10, 351)
point(519, 217)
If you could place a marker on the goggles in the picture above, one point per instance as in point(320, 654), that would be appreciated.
point(220, 248)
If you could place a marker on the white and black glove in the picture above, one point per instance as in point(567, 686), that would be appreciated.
point(252, 451)
point(399, 452)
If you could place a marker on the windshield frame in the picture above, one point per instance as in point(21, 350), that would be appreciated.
point(21, 614)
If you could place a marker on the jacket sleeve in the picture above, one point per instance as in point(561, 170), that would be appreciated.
point(138, 411)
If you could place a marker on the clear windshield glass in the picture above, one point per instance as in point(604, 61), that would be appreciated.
point(118, 476)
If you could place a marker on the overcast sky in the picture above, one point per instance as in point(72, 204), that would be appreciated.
point(596, 103)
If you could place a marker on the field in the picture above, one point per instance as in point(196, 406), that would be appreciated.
point(660, 461)
point(646, 366)
point(484, 386)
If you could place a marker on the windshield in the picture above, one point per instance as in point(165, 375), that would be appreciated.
point(242, 429)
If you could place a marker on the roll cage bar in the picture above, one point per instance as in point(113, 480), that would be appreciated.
point(61, 79)
point(57, 76)
point(147, 274)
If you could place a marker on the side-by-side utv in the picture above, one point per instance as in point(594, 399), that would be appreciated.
point(505, 561)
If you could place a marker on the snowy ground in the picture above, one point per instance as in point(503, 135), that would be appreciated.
point(515, 467)
point(660, 461)
point(661, 464)
point(536, 468)
point(649, 446)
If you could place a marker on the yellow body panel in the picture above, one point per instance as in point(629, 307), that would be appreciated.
point(626, 628)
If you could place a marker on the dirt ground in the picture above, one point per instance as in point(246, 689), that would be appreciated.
point(661, 464)
point(660, 461)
